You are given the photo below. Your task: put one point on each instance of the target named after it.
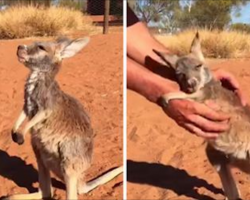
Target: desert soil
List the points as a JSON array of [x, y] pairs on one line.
[[167, 162], [94, 76]]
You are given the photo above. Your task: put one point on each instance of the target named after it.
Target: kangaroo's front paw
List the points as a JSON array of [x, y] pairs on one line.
[[4, 198], [17, 137]]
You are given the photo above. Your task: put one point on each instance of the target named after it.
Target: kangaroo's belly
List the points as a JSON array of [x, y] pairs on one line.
[[47, 151], [235, 142], [60, 152]]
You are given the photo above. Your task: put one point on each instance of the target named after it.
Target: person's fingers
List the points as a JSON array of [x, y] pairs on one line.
[[193, 129], [229, 77], [207, 125], [212, 104], [223, 75], [209, 113]]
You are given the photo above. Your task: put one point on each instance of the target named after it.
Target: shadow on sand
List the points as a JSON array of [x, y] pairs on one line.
[[169, 178]]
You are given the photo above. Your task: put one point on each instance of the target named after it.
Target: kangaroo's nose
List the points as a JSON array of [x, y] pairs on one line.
[[192, 82]]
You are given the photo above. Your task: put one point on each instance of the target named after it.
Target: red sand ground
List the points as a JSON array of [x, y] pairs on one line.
[[94, 77], [165, 161]]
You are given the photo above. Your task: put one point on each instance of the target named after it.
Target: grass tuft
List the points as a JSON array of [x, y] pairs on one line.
[[215, 44], [29, 21]]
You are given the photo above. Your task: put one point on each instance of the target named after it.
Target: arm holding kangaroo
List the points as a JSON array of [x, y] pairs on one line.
[[218, 75], [192, 77], [197, 118]]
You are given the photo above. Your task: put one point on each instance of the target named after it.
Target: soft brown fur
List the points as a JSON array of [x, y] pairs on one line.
[[61, 132], [231, 147]]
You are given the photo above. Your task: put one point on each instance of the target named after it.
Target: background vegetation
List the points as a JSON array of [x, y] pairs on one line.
[[175, 22], [26, 21], [215, 43], [183, 14]]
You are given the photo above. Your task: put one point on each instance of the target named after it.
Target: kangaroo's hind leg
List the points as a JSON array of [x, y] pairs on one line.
[[43, 191], [71, 182], [91, 185], [32, 196], [221, 163], [45, 186], [44, 181]]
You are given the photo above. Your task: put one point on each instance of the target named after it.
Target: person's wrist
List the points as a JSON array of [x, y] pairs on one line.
[[163, 86]]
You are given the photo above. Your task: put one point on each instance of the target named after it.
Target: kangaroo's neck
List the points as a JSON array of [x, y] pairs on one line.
[[206, 76], [39, 78], [38, 88]]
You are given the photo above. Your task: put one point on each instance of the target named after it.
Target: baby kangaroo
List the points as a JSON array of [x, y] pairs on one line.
[[231, 148], [61, 132]]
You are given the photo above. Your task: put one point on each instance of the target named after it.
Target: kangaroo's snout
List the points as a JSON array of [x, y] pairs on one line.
[[193, 82], [192, 85], [22, 47], [22, 53]]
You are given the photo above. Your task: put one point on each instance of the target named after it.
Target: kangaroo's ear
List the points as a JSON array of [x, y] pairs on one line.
[[71, 48], [196, 48], [167, 58]]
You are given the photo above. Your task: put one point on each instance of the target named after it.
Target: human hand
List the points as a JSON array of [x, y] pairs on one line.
[[197, 118], [229, 81]]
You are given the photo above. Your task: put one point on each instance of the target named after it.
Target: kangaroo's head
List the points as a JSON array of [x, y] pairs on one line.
[[47, 56], [191, 71]]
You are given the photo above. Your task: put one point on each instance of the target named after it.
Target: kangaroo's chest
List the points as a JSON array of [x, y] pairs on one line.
[[46, 145], [30, 95], [36, 96]]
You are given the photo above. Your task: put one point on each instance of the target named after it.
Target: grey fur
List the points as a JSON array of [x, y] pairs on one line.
[[61, 132], [231, 147]]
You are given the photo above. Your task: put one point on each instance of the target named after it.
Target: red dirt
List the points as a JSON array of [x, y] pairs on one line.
[[167, 162], [94, 76]]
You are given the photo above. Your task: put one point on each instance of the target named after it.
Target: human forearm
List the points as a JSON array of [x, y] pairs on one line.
[[146, 83], [140, 43]]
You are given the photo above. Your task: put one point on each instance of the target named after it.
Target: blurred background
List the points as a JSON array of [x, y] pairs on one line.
[[93, 7], [26, 18], [169, 18]]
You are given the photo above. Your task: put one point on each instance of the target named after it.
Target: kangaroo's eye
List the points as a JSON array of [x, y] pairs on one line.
[[41, 47]]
